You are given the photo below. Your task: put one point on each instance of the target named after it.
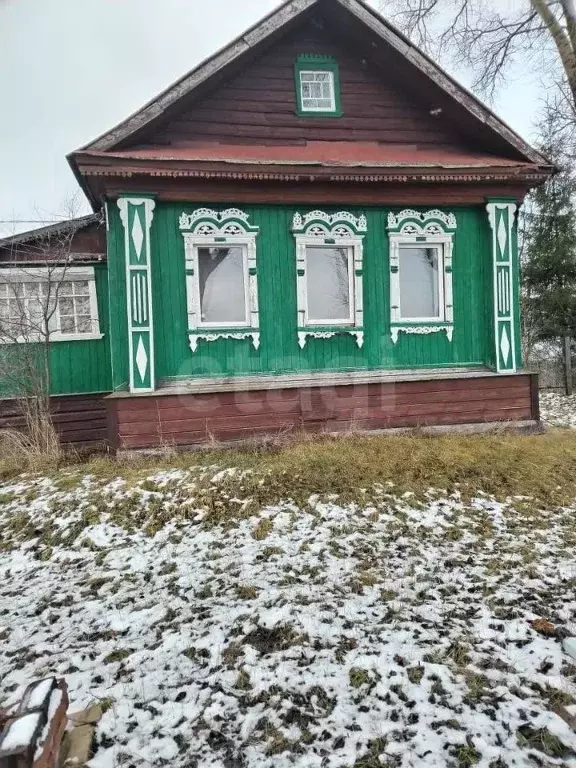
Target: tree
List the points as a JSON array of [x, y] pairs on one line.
[[32, 285], [549, 247], [490, 35]]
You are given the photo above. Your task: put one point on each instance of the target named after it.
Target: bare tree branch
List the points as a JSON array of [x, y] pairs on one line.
[[489, 37]]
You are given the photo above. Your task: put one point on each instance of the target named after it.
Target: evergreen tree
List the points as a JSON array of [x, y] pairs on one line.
[[549, 248]]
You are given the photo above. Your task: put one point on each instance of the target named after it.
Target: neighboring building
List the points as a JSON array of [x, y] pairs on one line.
[[314, 228]]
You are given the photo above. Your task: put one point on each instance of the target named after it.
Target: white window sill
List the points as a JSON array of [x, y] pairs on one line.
[[55, 337]]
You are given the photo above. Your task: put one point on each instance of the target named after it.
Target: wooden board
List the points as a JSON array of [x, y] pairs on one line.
[[142, 422]]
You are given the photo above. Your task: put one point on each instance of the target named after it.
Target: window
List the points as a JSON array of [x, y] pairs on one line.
[[317, 86], [221, 275], [329, 285], [222, 283], [317, 91], [420, 287], [421, 246], [35, 301], [329, 274]]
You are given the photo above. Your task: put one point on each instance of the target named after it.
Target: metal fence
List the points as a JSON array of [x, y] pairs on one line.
[[551, 374]]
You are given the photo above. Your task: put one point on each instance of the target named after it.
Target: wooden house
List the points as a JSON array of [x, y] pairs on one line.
[[315, 229]]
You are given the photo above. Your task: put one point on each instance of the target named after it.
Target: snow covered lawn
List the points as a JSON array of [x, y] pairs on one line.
[[217, 633], [558, 410]]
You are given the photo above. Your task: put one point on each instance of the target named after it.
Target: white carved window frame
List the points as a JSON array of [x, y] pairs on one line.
[[337, 230], [206, 228], [429, 229], [56, 276]]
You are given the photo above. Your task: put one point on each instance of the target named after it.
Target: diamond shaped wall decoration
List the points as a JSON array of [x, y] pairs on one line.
[[141, 359], [502, 236], [505, 346], [137, 234]]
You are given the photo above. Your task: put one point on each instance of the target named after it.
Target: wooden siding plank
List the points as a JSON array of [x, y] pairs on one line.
[[263, 94], [182, 422]]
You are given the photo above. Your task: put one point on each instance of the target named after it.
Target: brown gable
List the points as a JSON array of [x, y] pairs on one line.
[[258, 105]]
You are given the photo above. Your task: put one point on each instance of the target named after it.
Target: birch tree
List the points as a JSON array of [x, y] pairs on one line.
[[489, 36]]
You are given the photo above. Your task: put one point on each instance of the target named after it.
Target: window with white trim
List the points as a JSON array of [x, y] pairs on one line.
[[221, 275], [36, 302], [421, 247], [329, 254]]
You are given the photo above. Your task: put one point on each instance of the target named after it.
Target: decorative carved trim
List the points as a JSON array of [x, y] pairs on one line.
[[136, 214], [303, 335], [436, 228], [421, 329], [320, 224], [343, 230], [254, 335], [206, 221], [206, 227], [410, 222], [501, 218]]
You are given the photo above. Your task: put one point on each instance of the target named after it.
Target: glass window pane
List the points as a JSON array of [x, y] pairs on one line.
[[419, 284], [327, 284], [81, 288], [222, 287], [67, 325], [66, 306], [84, 324], [82, 306], [65, 289]]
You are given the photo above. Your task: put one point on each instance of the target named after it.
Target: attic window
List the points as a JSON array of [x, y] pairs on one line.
[[317, 86]]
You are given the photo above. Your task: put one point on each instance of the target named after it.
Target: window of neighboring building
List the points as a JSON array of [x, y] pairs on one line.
[[61, 302], [317, 86]]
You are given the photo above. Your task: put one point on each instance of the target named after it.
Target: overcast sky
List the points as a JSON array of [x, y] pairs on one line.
[[71, 69]]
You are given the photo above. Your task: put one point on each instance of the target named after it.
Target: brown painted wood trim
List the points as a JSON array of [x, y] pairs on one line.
[[80, 420], [112, 425], [535, 396], [188, 419]]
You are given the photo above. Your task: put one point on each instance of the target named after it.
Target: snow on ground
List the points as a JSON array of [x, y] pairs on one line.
[[558, 410], [391, 633]]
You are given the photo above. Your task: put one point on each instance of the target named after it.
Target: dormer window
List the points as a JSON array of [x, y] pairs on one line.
[[317, 86]]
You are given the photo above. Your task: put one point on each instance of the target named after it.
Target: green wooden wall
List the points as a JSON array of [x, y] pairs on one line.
[[279, 351], [84, 366], [81, 367]]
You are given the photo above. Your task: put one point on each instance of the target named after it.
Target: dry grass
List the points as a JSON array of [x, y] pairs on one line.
[[22, 451], [540, 466]]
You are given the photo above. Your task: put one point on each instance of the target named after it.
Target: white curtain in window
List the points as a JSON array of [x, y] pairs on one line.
[[328, 283], [419, 283], [222, 285]]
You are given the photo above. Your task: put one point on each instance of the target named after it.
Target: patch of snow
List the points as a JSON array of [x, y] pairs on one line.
[[397, 631], [558, 410], [20, 732]]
